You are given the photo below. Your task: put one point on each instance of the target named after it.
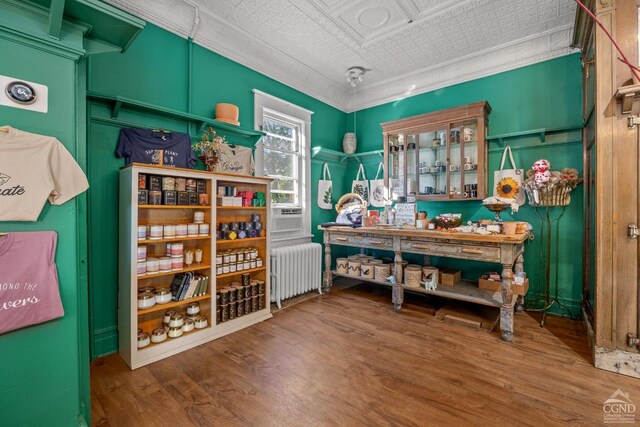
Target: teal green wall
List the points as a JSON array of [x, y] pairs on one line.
[[44, 369], [156, 70], [544, 95]]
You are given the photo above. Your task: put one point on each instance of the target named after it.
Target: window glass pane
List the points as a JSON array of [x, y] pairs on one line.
[[280, 164], [278, 128], [271, 141], [284, 185], [284, 198]]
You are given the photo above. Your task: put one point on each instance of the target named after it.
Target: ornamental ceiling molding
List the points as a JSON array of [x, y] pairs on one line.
[[224, 33]]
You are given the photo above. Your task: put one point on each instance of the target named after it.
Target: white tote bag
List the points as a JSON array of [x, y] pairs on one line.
[[508, 182], [361, 185], [325, 189], [376, 186]]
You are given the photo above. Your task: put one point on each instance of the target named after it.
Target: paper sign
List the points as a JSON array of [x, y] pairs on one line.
[[406, 214]]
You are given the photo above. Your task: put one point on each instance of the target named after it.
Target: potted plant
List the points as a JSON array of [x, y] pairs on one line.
[[212, 148]]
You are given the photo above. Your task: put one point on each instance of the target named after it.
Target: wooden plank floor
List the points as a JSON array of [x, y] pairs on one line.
[[347, 359]]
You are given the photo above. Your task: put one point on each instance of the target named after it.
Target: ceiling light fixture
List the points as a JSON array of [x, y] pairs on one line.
[[355, 75]]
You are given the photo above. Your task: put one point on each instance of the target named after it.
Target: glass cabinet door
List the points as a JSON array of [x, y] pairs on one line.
[[432, 163], [396, 165], [467, 158]]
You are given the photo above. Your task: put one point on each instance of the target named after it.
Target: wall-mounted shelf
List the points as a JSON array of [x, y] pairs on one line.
[[628, 95], [542, 133], [118, 103], [327, 155]]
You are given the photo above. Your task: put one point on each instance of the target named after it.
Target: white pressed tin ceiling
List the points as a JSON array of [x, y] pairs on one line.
[[411, 46]]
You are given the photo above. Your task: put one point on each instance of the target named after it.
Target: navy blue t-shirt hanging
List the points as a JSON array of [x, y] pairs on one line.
[[162, 148]]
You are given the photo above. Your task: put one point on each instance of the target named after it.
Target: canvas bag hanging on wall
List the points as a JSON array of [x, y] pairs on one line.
[[360, 185], [376, 187], [325, 189], [508, 182]]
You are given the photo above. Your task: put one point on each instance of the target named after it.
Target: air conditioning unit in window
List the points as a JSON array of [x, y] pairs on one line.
[[286, 220]]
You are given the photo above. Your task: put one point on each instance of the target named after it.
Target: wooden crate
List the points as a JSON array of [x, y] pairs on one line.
[[449, 277], [494, 285]]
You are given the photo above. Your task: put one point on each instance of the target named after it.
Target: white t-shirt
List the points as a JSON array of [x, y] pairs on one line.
[[34, 168]]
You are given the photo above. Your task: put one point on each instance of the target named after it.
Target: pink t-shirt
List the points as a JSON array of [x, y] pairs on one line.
[[29, 291]]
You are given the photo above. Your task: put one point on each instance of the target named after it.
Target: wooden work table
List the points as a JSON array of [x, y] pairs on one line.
[[505, 250]]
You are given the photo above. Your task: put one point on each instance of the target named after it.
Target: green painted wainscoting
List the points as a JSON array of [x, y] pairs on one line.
[[544, 95], [160, 68]]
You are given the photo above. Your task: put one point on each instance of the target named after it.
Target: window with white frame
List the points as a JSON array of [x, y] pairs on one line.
[[284, 155]]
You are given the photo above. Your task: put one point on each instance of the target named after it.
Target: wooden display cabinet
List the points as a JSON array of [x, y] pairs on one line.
[[438, 156], [132, 214]]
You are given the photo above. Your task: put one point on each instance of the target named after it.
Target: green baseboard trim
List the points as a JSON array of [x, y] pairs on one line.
[[105, 342]]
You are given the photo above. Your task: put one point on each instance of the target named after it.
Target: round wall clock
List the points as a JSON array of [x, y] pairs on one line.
[[20, 92]]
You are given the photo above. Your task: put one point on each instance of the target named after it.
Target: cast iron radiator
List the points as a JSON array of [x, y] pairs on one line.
[[295, 270]]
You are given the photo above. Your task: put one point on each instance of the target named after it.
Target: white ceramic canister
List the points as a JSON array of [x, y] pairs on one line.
[[153, 265], [142, 268], [367, 270], [163, 295], [143, 340], [176, 320], [165, 263], [142, 253], [158, 335], [189, 325], [342, 265], [177, 262], [382, 271], [177, 249], [175, 331], [193, 308], [201, 322], [354, 267], [169, 231], [181, 230], [146, 300], [198, 217], [376, 261], [156, 232], [193, 230], [204, 229], [142, 232]]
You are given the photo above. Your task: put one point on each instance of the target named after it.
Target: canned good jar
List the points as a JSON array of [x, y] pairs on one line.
[[142, 268], [232, 268], [155, 232], [176, 248], [233, 257], [218, 315], [219, 270], [261, 287], [193, 230], [240, 308], [201, 322], [189, 325], [153, 265], [224, 312], [143, 340], [219, 259], [239, 266], [233, 310], [177, 262], [255, 303], [176, 320], [175, 331], [181, 230], [169, 231], [254, 289], [142, 253], [232, 295], [253, 264], [142, 232], [158, 335], [167, 316], [163, 296], [198, 217], [258, 262], [224, 297], [165, 263], [225, 268], [193, 308], [254, 253], [261, 300], [146, 300]]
